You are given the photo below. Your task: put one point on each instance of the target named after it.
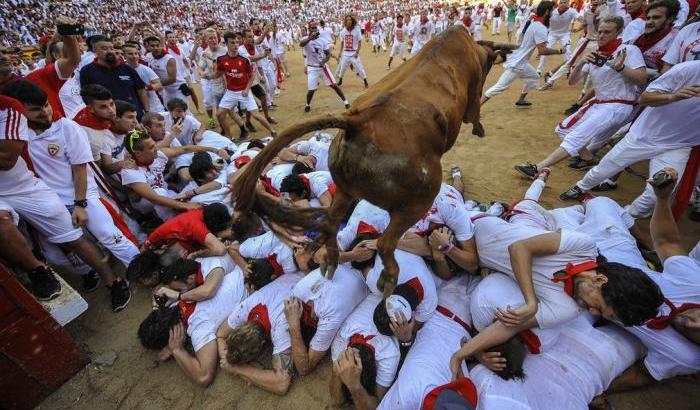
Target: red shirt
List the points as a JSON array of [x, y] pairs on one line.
[[48, 79], [187, 228], [237, 71]]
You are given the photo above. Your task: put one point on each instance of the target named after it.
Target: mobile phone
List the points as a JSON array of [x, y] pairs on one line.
[[599, 60], [661, 179]]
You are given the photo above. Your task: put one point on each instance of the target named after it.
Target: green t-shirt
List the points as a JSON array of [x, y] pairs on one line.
[[511, 14]]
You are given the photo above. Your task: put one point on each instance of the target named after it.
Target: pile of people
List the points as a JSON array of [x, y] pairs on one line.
[[102, 159]]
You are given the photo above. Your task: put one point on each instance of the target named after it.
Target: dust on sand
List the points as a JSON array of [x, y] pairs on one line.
[[513, 136]]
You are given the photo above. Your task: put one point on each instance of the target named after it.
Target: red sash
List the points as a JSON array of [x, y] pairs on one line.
[[448, 313], [580, 113], [662, 322]]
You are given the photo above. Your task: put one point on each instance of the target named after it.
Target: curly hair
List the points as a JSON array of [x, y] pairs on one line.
[[633, 296], [368, 377], [154, 331], [261, 273], [245, 343], [295, 186], [381, 316], [145, 267]]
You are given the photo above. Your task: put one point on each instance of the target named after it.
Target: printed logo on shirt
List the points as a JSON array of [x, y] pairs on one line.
[[125, 77], [54, 149]]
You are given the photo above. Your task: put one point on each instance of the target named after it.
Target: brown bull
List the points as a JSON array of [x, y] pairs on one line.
[[389, 146]]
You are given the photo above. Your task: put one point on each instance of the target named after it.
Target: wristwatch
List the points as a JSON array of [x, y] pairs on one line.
[[81, 203]]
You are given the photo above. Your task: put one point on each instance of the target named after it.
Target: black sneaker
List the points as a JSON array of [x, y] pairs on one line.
[[583, 165], [91, 281], [45, 286], [250, 127], [527, 169], [572, 194], [340, 82], [574, 107], [271, 120], [574, 159], [243, 136], [547, 76], [121, 295], [523, 104], [606, 185], [347, 105], [366, 84], [307, 108]]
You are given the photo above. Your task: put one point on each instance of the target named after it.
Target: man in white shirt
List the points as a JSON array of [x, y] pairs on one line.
[[398, 46], [534, 36], [148, 76], [560, 23], [351, 43], [421, 33], [317, 52], [685, 47], [257, 321], [664, 132], [165, 66], [616, 71], [212, 88], [312, 152], [316, 188]]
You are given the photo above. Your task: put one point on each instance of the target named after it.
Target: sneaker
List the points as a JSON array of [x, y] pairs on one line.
[[574, 159], [574, 107], [546, 86], [277, 91], [572, 194], [91, 281], [250, 127], [340, 82], [307, 108], [523, 104], [211, 123], [547, 76], [347, 105], [121, 295], [527, 169], [539, 73], [583, 165], [366, 84], [271, 120], [45, 286], [456, 171], [607, 185]]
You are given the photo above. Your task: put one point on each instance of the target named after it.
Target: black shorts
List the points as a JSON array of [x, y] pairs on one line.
[[258, 91]]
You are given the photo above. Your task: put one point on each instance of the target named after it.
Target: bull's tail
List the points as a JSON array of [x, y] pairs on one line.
[[247, 198]]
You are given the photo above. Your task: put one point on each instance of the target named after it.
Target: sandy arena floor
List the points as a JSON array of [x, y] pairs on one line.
[[137, 381]]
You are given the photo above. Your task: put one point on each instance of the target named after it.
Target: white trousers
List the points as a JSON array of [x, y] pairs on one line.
[[596, 126], [496, 28], [345, 62], [527, 73]]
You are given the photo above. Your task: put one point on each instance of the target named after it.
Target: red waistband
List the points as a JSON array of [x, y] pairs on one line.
[[448, 313]]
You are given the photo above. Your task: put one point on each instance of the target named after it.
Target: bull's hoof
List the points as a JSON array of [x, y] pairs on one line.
[[386, 284], [478, 130]]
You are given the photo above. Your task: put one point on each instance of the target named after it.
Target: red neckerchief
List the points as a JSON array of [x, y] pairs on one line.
[[86, 118], [331, 189], [467, 21], [306, 182], [275, 264], [423, 20], [571, 271], [363, 227], [609, 48], [307, 316], [562, 10], [642, 15], [359, 340], [538, 18], [418, 287], [531, 341], [645, 42], [267, 184], [257, 32], [462, 386], [251, 49], [240, 161], [187, 307], [259, 315], [662, 322], [172, 47]]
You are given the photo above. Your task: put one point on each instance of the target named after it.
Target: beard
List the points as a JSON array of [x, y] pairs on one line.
[[111, 59]]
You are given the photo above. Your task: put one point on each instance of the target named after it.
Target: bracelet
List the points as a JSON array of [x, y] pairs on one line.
[[406, 344], [83, 203], [194, 191], [621, 69], [179, 296]]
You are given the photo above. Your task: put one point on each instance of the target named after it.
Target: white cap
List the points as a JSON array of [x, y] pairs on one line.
[[396, 304]]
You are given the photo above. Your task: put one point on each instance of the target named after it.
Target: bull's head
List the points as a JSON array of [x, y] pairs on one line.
[[495, 50]]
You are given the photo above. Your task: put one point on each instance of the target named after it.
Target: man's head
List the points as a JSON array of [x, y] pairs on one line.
[[367, 263], [104, 50], [308, 257], [660, 15], [295, 186], [261, 273], [218, 220], [544, 10], [171, 38], [609, 29], [141, 146], [211, 38], [246, 225], [35, 101], [349, 22], [202, 168], [154, 331], [177, 108], [403, 294], [154, 124], [145, 268], [513, 351], [181, 275], [5, 65], [132, 54], [233, 41], [153, 45], [634, 7], [301, 168], [399, 20], [618, 293], [247, 37], [245, 343], [99, 101], [126, 116], [368, 377]]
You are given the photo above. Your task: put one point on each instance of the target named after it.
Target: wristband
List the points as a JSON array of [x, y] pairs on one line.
[[406, 344], [81, 203], [621, 69]]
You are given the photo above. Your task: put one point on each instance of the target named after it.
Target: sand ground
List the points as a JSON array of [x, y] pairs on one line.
[[137, 381]]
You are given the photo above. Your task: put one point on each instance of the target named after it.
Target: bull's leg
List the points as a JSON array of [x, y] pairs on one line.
[[398, 225], [339, 208]]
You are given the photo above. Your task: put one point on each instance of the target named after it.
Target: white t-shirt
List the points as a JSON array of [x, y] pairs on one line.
[[208, 314], [326, 33], [422, 32], [611, 85], [317, 149], [427, 364], [633, 30], [268, 245], [673, 125], [410, 267], [190, 126], [494, 236], [315, 51], [386, 348], [319, 182], [686, 45], [55, 150], [332, 300], [365, 213], [536, 34], [272, 296], [560, 23], [351, 40], [448, 209], [147, 75], [160, 66], [13, 126], [278, 173], [151, 175], [399, 34], [669, 352]]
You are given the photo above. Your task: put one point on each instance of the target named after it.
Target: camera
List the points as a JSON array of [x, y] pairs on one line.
[[70, 29], [599, 60], [161, 300], [661, 179]]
